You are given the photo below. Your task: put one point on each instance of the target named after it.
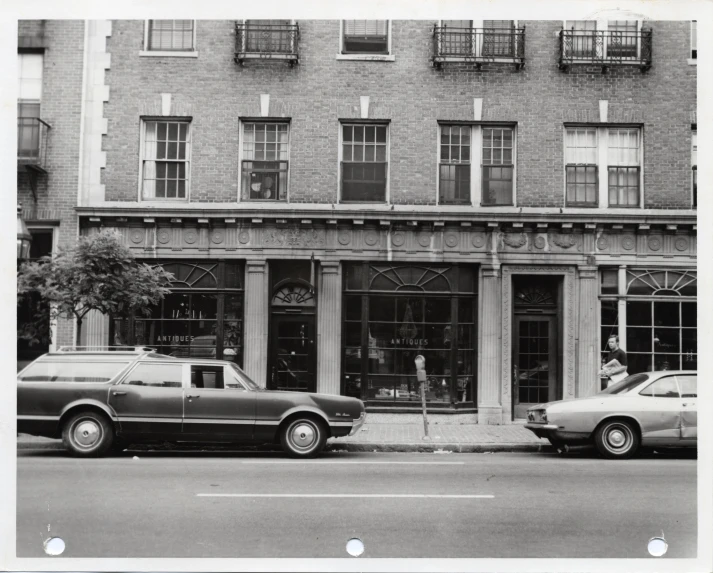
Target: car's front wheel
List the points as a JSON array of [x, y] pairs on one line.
[[303, 437], [87, 434], [617, 439]]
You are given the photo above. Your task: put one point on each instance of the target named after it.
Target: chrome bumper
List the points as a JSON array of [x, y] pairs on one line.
[[358, 423], [530, 426]]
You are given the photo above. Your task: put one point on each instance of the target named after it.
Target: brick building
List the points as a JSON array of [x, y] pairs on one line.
[[336, 197]]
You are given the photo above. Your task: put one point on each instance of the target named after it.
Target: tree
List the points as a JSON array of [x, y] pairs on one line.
[[98, 274]]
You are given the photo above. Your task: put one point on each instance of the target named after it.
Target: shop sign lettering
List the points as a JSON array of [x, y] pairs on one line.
[[409, 341], [168, 338]]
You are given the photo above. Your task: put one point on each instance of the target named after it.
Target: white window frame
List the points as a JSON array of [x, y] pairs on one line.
[[142, 147], [478, 25], [168, 53], [390, 57], [476, 160], [244, 42], [694, 162], [694, 44], [603, 26], [241, 139], [603, 164], [340, 156]]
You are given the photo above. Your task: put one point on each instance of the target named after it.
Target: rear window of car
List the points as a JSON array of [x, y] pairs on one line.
[[82, 372]]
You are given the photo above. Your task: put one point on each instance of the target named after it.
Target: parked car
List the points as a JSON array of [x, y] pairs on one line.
[[96, 400], [646, 409]]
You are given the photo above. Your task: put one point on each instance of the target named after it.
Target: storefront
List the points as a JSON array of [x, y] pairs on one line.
[[201, 317], [394, 312]]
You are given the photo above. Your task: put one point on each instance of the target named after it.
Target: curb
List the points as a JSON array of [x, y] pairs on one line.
[[335, 447]]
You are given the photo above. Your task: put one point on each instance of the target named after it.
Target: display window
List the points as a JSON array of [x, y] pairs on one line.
[[393, 313]]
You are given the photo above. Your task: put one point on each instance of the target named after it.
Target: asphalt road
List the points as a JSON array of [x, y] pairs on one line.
[[399, 505]]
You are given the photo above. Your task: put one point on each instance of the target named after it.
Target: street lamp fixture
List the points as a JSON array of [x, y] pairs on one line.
[[24, 238]]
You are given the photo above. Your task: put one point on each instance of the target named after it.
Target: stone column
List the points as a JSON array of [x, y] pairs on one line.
[[588, 356], [329, 328], [490, 410], [257, 311]]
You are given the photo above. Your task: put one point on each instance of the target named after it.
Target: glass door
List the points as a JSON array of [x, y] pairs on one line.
[[535, 362], [292, 353]]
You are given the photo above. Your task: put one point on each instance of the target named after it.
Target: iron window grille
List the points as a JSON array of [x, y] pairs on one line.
[[166, 165], [622, 43], [265, 161], [497, 41], [364, 162], [455, 165], [171, 35], [497, 166], [267, 39], [365, 37]]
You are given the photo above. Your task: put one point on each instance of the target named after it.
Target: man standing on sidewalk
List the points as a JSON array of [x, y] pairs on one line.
[[616, 362]]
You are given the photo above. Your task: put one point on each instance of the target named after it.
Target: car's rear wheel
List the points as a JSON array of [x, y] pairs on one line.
[[617, 439], [303, 437], [87, 434]]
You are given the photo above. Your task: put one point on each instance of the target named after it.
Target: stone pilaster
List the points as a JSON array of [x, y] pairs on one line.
[[490, 410], [588, 356], [257, 311], [329, 328]]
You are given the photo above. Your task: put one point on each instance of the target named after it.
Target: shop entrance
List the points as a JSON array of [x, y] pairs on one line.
[[292, 365], [536, 345]]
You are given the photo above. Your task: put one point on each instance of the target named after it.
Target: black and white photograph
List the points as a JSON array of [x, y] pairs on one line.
[[300, 288]]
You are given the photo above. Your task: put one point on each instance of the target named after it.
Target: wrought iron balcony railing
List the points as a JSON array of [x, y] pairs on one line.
[[266, 41], [605, 48], [479, 45], [32, 133]]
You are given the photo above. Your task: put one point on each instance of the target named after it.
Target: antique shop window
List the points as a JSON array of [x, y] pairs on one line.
[[202, 316], [393, 313], [265, 160], [364, 162], [166, 160], [660, 322], [594, 156], [490, 182], [171, 35]]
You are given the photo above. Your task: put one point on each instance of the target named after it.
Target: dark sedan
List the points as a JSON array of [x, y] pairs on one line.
[[97, 401]]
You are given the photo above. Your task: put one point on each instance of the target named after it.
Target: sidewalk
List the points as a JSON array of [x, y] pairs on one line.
[[400, 437]]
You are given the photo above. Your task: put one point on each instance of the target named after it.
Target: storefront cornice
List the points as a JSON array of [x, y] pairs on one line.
[[406, 215]]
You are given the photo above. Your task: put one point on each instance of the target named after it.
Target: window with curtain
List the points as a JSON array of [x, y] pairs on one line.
[[454, 168], [497, 166], [166, 159], [498, 38], [171, 35], [622, 38], [365, 37], [458, 37], [623, 160], [265, 161], [581, 166], [582, 35]]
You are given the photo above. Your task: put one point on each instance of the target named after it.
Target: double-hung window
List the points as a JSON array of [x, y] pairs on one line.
[[365, 37], [29, 68], [364, 162], [264, 162], [603, 166], [694, 40], [171, 36], [166, 159], [476, 165]]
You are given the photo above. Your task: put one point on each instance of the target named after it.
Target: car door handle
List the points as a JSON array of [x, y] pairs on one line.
[[119, 393], [189, 396]]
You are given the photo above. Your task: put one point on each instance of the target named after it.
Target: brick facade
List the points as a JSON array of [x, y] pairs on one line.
[[410, 93]]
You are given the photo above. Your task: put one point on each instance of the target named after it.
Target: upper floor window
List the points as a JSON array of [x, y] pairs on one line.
[[488, 182], [171, 35], [694, 40], [365, 37], [29, 95], [264, 162], [166, 159], [694, 165], [603, 166], [364, 162]]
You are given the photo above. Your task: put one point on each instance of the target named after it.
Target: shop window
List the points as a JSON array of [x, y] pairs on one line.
[[171, 35], [403, 311], [166, 160], [364, 162], [265, 161]]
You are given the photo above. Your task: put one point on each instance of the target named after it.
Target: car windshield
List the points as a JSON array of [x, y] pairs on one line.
[[244, 378], [626, 384]]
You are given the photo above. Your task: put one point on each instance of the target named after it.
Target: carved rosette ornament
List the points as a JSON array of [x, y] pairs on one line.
[[371, 238], [628, 242], [398, 239], [681, 244], [137, 236], [451, 240], [602, 243], [514, 240], [654, 243], [190, 236], [478, 240], [163, 236], [424, 239], [217, 237], [244, 237], [344, 237], [540, 242], [564, 241]]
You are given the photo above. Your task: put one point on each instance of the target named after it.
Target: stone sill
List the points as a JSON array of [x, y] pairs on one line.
[[367, 57], [157, 54], [692, 62]]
